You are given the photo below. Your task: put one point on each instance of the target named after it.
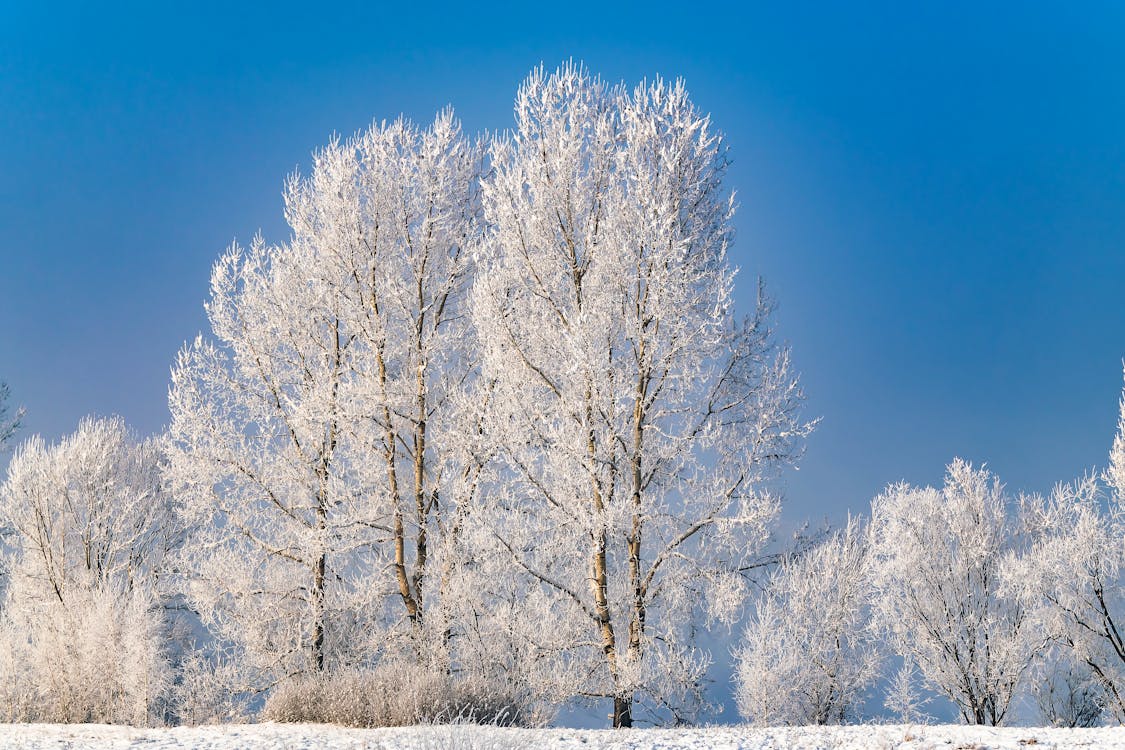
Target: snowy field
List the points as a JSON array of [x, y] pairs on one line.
[[304, 736]]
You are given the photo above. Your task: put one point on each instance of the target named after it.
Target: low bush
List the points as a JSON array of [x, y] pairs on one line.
[[393, 695], [98, 659], [207, 691]]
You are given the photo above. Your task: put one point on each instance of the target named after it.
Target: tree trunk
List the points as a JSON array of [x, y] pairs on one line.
[[599, 576], [420, 509], [637, 622], [399, 533], [622, 711], [318, 603], [321, 565]]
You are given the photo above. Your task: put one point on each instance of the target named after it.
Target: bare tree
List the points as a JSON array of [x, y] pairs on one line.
[[10, 422]]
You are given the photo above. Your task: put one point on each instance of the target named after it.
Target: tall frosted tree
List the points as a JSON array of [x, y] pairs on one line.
[[635, 415], [316, 440], [939, 576], [396, 245], [257, 460]]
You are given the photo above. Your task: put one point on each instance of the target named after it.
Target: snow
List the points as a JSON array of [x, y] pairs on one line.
[[306, 736]]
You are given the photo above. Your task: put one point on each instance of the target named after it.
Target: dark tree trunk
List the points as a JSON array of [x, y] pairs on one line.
[[622, 712]]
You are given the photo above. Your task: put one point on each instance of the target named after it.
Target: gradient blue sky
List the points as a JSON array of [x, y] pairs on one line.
[[935, 193]]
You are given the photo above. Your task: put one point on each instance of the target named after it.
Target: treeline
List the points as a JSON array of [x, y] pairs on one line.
[[986, 600], [484, 437]]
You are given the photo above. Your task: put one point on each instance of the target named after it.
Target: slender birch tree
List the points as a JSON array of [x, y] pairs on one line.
[[635, 416]]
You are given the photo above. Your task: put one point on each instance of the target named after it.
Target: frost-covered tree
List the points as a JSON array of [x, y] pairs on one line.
[[391, 218], [323, 440], [9, 421], [939, 557], [89, 511], [904, 698], [1075, 571], [1066, 691], [636, 417], [810, 649], [91, 529], [256, 461]]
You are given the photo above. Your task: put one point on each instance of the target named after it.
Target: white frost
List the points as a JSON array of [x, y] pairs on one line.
[[298, 736]]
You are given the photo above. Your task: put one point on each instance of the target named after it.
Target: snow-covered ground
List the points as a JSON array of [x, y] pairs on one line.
[[304, 736]]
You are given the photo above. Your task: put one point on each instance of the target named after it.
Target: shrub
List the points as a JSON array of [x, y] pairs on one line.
[[207, 691], [1067, 694], [97, 659], [393, 695]]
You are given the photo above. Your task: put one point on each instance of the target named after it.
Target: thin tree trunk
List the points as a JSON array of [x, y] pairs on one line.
[[318, 604], [398, 531], [421, 513], [409, 601], [598, 564], [623, 705], [622, 711], [321, 565], [637, 622]]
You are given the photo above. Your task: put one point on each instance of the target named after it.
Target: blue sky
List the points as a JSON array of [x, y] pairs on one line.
[[935, 193]]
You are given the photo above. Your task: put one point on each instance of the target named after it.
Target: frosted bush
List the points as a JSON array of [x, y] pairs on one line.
[[206, 691], [392, 695], [82, 635], [95, 660]]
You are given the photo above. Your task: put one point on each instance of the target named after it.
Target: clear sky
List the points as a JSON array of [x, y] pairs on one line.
[[935, 193]]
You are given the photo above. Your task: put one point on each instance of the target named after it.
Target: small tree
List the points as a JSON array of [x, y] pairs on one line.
[[810, 650], [1074, 572], [904, 699], [82, 635], [10, 422], [939, 555]]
